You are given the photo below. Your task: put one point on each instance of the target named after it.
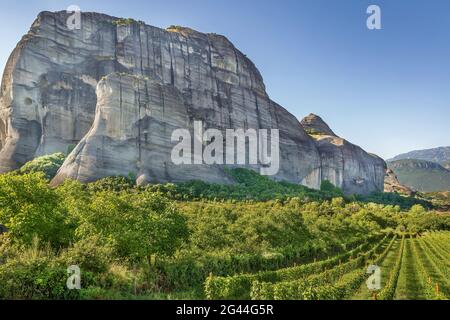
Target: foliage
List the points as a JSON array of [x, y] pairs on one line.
[[136, 225], [336, 283], [165, 240], [424, 277], [251, 186], [29, 208], [440, 200], [36, 272], [238, 286], [387, 293], [48, 164], [328, 187], [393, 199], [112, 184], [124, 22]]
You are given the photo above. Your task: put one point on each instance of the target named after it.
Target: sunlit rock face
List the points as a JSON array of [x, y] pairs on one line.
[[391, 184], [342, 163], [131, 134], [114, 90]]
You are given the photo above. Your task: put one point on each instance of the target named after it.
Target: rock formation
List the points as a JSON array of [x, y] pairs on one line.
[[342, 163], [116, 89], [391, 184]]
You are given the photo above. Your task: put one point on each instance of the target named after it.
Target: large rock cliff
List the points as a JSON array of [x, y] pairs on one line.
[[114, 90], [342, 163]]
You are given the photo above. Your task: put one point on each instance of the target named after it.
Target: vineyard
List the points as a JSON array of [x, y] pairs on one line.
[[412, 267], [259, 239]]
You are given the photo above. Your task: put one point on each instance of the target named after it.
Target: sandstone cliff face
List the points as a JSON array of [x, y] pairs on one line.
[[342, 163], [116, 90], [131, 133]]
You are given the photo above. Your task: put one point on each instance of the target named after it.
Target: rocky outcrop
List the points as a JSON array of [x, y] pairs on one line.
[[342, 163], [116, 89], [391, 184]]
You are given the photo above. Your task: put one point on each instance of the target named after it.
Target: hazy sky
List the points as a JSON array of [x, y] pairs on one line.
[[386, 90]]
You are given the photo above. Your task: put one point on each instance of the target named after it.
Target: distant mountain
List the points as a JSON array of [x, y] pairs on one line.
[[421, 175], [439, 155]]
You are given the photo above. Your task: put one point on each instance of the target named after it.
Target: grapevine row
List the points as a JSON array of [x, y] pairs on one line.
[[239, 286], [427, 283], [436, 250], [345, 277], [432, 259], [387, 293]]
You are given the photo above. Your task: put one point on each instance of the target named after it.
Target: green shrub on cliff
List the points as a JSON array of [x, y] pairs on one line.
[[124, 21]]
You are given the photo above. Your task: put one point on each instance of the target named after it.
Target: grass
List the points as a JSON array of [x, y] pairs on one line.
[[386, 266], [409, 286]]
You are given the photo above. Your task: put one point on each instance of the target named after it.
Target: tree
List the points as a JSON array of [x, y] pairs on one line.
[[328, 187], [29, 208], [48, 164], [136, 224]]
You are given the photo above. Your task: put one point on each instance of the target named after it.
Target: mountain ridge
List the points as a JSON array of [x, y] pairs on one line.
[[439, 155], [421, 175]]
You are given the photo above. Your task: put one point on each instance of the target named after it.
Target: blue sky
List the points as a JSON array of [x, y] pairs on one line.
[[386, 90]]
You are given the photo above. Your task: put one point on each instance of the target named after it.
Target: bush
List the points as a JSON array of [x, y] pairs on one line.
[[48, 164], [29, 208], [136, 225], [124, 22], [112, 184], [90, 254], [34, 273], [329, 188]]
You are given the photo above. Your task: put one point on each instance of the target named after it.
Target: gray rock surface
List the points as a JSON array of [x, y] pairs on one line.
[[116, 89], [391, 184], [342, 163]]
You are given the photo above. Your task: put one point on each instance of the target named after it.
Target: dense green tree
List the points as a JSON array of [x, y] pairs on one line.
[[136, 225], [48, 164], [29, 208]]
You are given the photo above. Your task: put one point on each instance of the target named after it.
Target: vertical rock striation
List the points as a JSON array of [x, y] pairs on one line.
[[116, 89]]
